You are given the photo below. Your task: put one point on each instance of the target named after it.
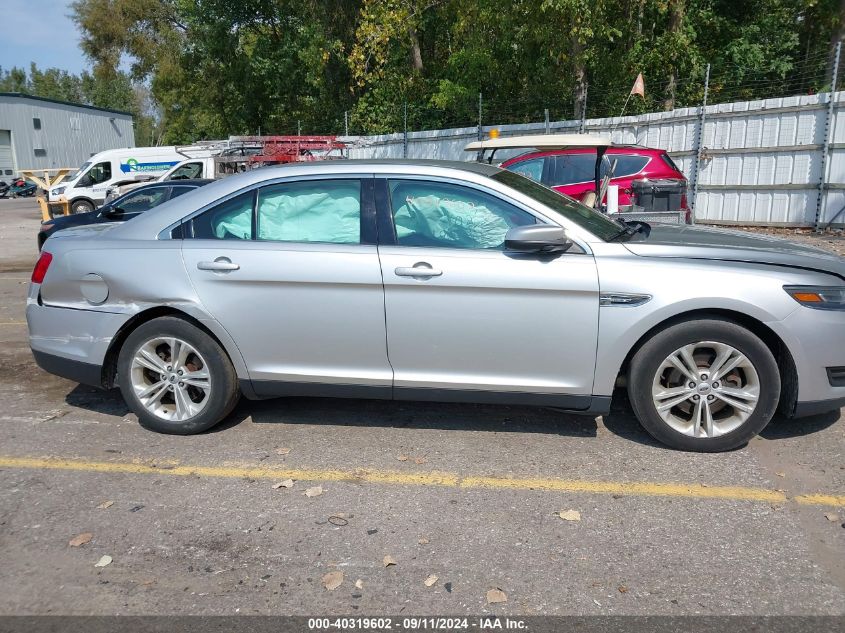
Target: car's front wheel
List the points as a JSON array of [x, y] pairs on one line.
[[176, 378], [704, 385], [81, 206]]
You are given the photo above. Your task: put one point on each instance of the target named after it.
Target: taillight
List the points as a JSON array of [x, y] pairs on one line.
[[41, 267]]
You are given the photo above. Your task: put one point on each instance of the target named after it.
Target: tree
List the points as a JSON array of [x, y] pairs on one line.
[[214, 68]]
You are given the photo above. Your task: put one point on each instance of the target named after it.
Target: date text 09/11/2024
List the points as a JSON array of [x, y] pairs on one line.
[[416, 623]]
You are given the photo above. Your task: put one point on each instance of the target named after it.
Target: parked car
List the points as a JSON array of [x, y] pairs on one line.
[[647, 178], [427, 280], [121, 209]]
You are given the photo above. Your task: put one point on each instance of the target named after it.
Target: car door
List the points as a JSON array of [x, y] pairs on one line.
[[467, 320], [291, 271]]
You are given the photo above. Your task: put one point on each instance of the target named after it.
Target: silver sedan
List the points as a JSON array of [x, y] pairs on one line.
[[439, 281]]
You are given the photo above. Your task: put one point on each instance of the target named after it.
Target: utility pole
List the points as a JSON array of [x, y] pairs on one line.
[[699, 138], [821, 200], [583, 128], [480, 129], [546, 116], [346, 122]]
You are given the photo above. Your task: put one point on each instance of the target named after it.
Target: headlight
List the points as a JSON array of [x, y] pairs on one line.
[[47, 226], [58, 191], [819, 297]]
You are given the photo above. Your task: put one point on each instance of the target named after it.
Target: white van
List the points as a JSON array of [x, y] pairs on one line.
[[200, 167], [86, 188]]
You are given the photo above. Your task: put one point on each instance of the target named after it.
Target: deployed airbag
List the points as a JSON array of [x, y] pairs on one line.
[[452, 221], [322, 212]]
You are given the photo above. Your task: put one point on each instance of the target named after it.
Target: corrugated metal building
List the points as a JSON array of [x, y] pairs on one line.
[[39, 133]]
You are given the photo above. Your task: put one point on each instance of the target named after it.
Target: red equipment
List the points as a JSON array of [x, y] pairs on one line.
[[292, 149]]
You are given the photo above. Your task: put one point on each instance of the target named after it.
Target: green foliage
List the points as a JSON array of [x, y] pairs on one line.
[[216, 67]]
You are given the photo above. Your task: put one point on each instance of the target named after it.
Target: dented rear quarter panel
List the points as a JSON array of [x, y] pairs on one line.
[[140, 276]]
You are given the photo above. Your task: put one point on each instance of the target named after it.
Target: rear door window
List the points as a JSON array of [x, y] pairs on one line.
[[327, 211], [321, 211], [229, 220], [569, 169]]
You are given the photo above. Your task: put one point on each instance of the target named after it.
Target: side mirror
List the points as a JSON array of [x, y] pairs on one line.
[[114, 212], [537, 238]]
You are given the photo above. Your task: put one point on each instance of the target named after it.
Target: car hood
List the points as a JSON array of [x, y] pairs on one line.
[[77, 219], [696, 242]]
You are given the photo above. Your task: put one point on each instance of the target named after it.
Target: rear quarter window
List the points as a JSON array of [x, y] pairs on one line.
[[627, 164]]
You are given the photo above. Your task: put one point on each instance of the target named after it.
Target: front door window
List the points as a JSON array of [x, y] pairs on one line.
[[99, 173], [441, 214]]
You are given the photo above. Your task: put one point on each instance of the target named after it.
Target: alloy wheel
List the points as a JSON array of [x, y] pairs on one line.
[[170, 379], [705, 389]]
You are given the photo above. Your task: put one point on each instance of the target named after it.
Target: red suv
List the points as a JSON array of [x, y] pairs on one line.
[[648, 179]]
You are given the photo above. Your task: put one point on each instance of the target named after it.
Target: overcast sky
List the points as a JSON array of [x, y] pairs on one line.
[[39, 31]]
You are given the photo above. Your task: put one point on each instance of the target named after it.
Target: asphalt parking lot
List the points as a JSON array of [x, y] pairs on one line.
[[469, 494]]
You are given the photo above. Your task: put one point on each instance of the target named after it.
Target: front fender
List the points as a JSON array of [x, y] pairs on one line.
[[680, 288]]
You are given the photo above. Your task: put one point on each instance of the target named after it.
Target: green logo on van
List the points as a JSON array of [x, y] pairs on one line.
[[132, 165]]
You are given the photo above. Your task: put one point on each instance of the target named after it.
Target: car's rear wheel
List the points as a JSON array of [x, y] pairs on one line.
[[704, 385], [175, 377]]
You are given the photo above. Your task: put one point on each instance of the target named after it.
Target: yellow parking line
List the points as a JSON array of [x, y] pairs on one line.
[[12, 322], [636, 489], [433, 478], [820, 500], [235, 472]]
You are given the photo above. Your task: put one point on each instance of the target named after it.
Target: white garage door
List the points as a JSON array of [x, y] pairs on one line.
[[6, 165]]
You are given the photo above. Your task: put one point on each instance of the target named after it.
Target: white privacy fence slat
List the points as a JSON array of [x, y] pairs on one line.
[[761, 160]]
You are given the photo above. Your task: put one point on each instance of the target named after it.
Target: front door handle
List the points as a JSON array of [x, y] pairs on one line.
[[219, 265], [420, 269]]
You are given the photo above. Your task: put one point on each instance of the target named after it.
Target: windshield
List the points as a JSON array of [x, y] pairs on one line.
[[77, 173], [596, 223]]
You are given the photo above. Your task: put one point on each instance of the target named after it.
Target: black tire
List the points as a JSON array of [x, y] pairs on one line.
[[81, 206], [224, 390], [651, 355]]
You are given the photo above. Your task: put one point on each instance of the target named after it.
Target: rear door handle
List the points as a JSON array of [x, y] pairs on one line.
[[219, 265], [420, 269]]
